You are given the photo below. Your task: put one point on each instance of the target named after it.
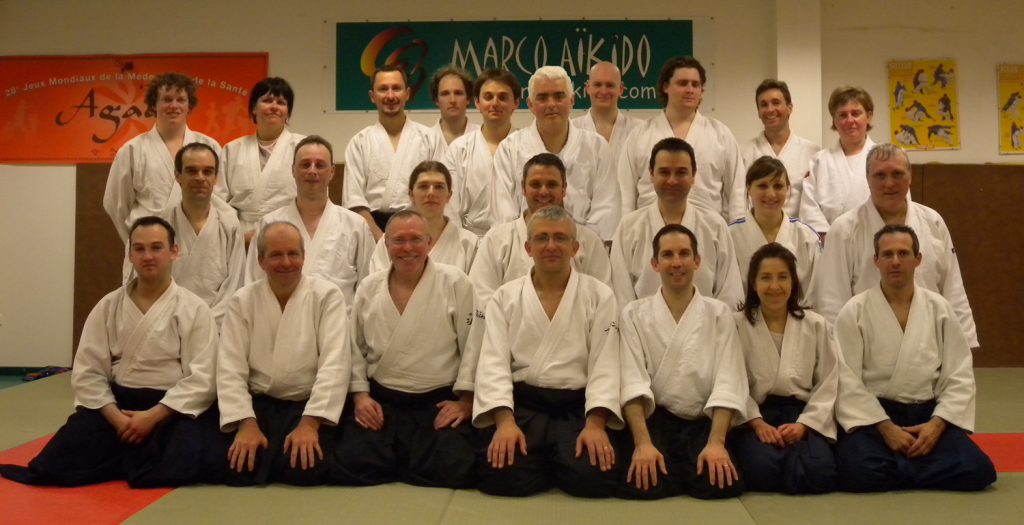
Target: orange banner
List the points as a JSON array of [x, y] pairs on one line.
[[72, 109]]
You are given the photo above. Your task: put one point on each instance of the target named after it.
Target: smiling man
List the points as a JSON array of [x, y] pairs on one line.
[[417, 333], [500, 257], [774, 106], [338, 242], [906, 392], [379, 159], [211, 245], [141, 179], [604, 88], [283, 367], [845, 267], [592, 195], [672, 173], [451, 89]]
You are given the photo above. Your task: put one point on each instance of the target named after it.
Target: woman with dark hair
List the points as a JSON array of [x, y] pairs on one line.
[[430, 190], [258, 168], [766, 221], [793, 370]]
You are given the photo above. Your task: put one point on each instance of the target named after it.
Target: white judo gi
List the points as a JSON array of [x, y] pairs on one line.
[[846, 267], [301, 353], [620, 130], [807, 368], [501, 258], [632, 275], [455, 246], [339, 251], [210, 264], [795, 156], [171, 347], [428, 346], [591, 194], [690, 367], [929, 360], [720, 169], [471, 127], [576, 349], [796, 236], [141, 180], [377, 175], [472, 167], [256, 191], [835, 184]]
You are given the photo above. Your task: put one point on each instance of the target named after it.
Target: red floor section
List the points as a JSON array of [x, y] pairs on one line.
[[1005, 450], [103, 504]]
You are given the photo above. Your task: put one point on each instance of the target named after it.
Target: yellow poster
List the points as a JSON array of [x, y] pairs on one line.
[[1011, 125], [923, 114]]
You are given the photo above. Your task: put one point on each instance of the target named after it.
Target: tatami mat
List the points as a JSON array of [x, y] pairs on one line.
[[1000, 404], [34, 409]]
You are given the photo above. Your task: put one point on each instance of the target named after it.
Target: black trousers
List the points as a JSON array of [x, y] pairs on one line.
[[86, 450], [381, 218], [407, 448], [804, 467], [552, 420], [681, 442], [867, 464], [276, 419]]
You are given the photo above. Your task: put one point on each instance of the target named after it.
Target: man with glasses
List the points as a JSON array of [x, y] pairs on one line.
[[338, 242], [416, 343]]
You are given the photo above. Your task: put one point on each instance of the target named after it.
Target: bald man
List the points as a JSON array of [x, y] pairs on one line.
[[604, 89]]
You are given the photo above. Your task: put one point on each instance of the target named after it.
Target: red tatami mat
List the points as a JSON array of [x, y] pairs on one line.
[[103, 504], [1005, 450]]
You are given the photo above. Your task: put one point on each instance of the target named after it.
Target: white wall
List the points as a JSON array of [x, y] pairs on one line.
[[37, 227], [860, 38]]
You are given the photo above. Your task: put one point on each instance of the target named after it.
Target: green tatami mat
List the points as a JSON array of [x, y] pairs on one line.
[[394, 504], [1000, 405], [34, 409], [470, 507]]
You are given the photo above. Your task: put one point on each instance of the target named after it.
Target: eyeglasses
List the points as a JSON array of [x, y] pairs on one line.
[[415, 241], [560, 239]]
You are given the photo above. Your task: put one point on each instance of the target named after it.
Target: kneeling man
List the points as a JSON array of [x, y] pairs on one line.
[[282, 368], [548, 375], [414, 354], [906, 393], [683, 382], [144, 370]]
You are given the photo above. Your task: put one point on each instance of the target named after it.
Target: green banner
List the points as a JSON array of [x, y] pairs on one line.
[[638, 47]]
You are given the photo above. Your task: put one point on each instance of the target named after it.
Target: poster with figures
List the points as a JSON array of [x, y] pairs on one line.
[[923, 114], [1011, 125]]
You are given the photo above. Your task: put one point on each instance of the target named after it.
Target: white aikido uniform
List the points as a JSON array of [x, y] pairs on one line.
[[501, 258], [135, 361], [591, 195], [846, 267], [806, 368], [254, 190], [210, 264], [620, 130], [141, 180], [299, 354], [471, 127], [633, 277], [720, 169], [339, 251], [908, 375], [795, 156], [834, 185], [576, 349], [796, 236], [377, 175], [472, 167], [455, 246]]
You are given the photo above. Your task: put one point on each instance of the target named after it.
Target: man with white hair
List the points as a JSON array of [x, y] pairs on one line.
[[846, 267], [593, 196], [604, 88]]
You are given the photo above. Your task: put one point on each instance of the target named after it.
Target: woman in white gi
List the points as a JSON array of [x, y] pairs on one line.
[[258, 168], [792, 367], [836, 180], [768, 190], [430, 191]]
